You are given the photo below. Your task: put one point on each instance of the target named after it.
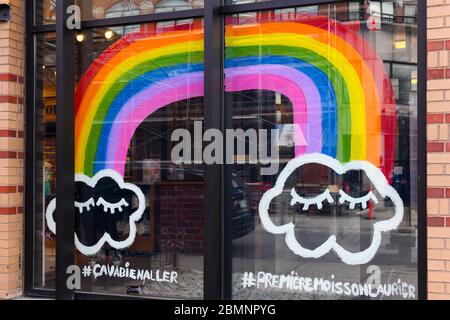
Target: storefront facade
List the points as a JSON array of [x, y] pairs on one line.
[[237, 150]]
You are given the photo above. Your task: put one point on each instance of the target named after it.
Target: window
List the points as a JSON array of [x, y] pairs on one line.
[[151, 210], [316, 150]]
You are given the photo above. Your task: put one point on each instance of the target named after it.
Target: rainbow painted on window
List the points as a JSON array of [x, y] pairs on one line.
[[341, 96]]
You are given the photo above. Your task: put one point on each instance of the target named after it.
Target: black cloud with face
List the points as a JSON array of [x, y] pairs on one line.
[[101, 202], [91, 224]]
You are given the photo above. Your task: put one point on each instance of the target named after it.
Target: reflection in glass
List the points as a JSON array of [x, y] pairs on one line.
[[45, 110], [101, 9], [45, 11]]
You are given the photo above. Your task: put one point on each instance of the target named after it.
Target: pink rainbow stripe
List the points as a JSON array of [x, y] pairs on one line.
[[312, 109]]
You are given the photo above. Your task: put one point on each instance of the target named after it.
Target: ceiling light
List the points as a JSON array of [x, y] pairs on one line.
[[80, 37], [109, 34]]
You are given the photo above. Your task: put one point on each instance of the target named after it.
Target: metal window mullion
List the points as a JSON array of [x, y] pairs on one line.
[[270, 5], [214, 174], [128, 20], [422, 149], [65, 130], [29, 152], [43, 28]]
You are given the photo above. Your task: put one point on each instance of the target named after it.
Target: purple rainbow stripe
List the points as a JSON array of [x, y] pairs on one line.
[[295, 85]]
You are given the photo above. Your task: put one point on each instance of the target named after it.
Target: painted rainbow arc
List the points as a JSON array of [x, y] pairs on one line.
[[341, 95]]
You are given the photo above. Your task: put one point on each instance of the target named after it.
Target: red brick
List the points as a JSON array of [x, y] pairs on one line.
[[8, 189], [436, 221], [435, 118], [8, 210], [434, 74], [447, 195], [8, 77], [435, 192], [8, 99], [447, 44], [20, 79], [20, 155], [447, 146], [435, 146], [8, 133], [447, 222], [447, 118], [8, 155], [20, 189], [435, 45], [20, 134], [447, 73]]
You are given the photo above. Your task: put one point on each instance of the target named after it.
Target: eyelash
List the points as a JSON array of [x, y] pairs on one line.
[[112, 206], [354, 201], [307, 202], [88, 205]]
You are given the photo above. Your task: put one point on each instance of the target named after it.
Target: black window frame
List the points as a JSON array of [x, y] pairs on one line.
[[217, 250]]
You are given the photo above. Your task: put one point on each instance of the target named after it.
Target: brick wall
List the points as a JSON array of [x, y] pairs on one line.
[[180, 218], [11, 151], [438, 149]]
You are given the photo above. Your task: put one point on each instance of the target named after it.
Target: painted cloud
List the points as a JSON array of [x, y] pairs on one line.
[[100, 203], [351, 258]]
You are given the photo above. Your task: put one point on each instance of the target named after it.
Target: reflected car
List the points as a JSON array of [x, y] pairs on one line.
[[243, 220]]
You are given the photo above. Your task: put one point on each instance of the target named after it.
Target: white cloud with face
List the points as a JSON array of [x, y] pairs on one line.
[[106, 238], [376, 177]]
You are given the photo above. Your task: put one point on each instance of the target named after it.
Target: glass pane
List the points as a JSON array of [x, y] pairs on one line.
[[145, 82], [45, 108], [324, 111], [139, 214], [45, 11], [101, 9]]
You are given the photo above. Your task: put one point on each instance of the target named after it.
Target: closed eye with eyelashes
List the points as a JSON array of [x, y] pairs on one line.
[[85, 206], [318, 201], [354, 201], [111, 207]]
